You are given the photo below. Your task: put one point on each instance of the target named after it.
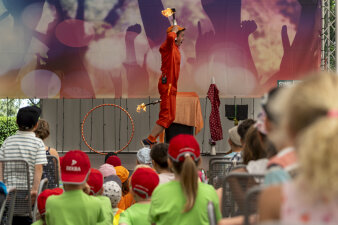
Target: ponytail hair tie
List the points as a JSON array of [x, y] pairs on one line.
[[186, 155], [332, 113]]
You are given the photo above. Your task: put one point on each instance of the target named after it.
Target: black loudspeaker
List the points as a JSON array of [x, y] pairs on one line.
[[240, 112], [176, 129]]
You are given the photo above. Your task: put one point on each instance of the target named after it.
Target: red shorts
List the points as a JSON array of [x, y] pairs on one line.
[[167, 106]]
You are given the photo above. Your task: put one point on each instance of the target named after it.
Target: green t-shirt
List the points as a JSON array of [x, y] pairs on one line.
[[136, 214], [74, 208], [107, 210], [38, 222], [168, 201]]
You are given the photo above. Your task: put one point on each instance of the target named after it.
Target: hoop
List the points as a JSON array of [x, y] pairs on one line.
[[85, 118]]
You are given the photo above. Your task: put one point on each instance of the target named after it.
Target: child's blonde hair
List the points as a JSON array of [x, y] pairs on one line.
[[315, 132]]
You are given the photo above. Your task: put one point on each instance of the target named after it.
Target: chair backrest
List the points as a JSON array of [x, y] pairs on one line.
[[42, 186], [218, 170], [235, 186], [7, 208], [15, 173], [51, 171], [211, 213], [218, 159], [251, 203]]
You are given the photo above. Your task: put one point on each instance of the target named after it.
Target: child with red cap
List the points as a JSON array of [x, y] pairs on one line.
[[74, 207], [42, 203], [184, 200], [143, 183], [114, 161], [95, 182]]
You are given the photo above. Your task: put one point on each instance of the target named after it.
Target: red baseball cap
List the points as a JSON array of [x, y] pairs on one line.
[[95, 181], [75, 167], [114, 160], [181, 146], [42, 199], [144, 181]]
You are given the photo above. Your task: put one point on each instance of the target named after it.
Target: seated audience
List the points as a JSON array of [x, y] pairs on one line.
[[310, 116], [159, 156], [184, 200], [107, 170], [42, 198], [95, 182], [74, 206], [42, 132], [143, 156], [114, 160], [3, 192], [283, 166], [143, 182], [127, 198], [25, 145], [113, 191], [114, 178], [234, 142], [108, 155]]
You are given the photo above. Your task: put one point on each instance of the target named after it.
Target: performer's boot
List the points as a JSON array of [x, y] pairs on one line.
[[149, 142]]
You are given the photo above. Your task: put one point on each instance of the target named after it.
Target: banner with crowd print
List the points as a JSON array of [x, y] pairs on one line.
[[110, 48]]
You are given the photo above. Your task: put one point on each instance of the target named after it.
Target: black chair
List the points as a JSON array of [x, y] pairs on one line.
[[7, 208], [211, 213], [235, 186], [218, 170], [15, 173], [51, 172], [251, 203], [42, 186]]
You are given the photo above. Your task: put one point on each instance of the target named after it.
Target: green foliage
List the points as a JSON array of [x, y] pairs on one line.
[[8, 127], [9, 107]]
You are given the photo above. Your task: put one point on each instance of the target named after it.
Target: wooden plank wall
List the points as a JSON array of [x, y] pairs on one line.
[[109, 129]]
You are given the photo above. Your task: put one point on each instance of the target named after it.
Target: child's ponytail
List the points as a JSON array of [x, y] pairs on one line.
[[189, 182], [184, 153]]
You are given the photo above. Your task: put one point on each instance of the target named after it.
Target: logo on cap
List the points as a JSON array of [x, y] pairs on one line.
[[74, 162], [72, 167]]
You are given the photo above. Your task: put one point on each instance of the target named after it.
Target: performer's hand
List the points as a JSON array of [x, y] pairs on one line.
[[175, 29]]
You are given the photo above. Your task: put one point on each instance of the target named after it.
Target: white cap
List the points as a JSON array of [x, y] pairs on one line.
[[234, 136]]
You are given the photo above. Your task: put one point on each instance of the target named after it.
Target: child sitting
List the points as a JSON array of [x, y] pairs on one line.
[[42, 203], [143, 182], [95, 182], [143, 156], [159, 156], [127, 199], [113, 191], [114, 161], [74, 206], [184, 200]]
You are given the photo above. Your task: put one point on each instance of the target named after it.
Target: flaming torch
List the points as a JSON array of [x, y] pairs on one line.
[[170, 12], [143, 106]]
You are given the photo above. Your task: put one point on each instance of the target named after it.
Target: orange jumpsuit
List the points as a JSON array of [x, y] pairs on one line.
[[171, 60]]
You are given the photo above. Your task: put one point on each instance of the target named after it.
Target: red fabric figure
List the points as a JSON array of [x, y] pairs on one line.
[[214, 118], [171, 60]]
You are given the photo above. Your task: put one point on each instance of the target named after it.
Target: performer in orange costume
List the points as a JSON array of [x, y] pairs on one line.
[[167, 84]]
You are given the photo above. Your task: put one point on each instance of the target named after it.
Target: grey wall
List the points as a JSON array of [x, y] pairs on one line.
[[108, 128]]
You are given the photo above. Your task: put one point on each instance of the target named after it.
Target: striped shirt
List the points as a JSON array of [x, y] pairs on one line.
[[23, 145]]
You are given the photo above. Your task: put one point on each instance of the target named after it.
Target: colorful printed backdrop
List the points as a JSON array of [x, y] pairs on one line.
[[109, 48]]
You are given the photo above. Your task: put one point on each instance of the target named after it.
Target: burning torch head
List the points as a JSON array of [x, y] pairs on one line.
[[168, 12], [141, 107]]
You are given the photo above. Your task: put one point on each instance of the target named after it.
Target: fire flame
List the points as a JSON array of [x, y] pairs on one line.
[[141, 107], [167, 12]]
